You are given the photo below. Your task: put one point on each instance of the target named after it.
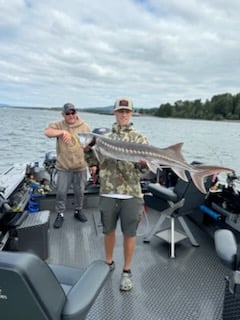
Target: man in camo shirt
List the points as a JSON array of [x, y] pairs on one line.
[[120, 193]]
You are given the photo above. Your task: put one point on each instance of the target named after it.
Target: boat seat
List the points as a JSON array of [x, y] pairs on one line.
[[32, 289], [173, 203], [228, 251]]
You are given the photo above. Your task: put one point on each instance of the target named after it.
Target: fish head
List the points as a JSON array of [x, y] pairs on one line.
[[86, 139]]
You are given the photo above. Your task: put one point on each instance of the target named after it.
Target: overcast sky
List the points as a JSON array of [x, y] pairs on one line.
[[90, 52]]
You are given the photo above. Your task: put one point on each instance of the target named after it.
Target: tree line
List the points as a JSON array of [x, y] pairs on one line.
[[220, 107]]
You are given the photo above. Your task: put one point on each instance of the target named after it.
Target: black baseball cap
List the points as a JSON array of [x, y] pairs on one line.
[[68, 107]]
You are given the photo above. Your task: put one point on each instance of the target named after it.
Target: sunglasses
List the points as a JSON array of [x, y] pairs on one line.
[[70, 112]]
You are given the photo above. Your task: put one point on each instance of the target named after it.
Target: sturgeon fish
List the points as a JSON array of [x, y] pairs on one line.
[[170, 157]]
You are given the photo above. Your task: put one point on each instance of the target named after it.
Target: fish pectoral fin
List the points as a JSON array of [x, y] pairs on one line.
[[98, 155]]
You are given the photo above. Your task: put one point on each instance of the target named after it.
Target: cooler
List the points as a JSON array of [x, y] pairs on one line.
[[32, 234]]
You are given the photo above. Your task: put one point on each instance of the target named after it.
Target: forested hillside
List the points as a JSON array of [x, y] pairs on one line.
[[220, 107]]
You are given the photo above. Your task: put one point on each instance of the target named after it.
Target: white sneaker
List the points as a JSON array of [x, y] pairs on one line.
[[126, 281]]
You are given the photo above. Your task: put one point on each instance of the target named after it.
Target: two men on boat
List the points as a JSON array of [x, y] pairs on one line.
[[120, 189]]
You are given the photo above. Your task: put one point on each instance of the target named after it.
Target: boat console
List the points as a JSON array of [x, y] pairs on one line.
[[223, 202], [23, 227]]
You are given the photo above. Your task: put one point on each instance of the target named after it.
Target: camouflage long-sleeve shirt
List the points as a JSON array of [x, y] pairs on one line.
[[122, 177]]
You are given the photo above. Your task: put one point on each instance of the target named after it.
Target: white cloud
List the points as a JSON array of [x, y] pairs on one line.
[[91, 52]]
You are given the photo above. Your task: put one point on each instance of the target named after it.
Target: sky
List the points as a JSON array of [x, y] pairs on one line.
[[91, 52]]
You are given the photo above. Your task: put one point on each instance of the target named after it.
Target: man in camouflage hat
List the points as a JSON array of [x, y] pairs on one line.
[[120, 193]]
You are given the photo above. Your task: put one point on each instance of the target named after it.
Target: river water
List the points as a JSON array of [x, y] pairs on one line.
[[22, 139]]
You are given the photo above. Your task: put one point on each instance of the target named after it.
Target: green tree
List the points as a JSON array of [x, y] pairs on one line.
[[222, 105], [165, 110]]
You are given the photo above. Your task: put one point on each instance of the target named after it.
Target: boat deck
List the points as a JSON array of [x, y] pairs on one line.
[[189, 287]]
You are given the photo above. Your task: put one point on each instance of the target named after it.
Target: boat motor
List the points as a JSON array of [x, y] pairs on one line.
[[50, 159], [99, 131], [50, 165]]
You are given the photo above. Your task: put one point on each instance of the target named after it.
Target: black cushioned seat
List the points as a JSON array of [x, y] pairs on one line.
[[228, 250], [32, 289], [173, 203], [162, 192]]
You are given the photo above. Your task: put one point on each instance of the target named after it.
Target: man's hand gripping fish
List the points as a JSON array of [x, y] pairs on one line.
[[170, 157]]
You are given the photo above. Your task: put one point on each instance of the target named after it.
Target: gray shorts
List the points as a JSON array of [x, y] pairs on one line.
[[129, 211]]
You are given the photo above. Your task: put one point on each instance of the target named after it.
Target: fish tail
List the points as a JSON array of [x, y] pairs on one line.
[[202, 171]]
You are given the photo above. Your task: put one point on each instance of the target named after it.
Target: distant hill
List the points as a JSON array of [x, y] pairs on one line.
[[103, 110], [106, 110]]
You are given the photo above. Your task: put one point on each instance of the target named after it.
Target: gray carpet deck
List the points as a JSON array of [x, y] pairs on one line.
[[189, 287]]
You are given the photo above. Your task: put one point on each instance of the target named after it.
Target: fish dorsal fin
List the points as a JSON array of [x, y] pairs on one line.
[[177, 148]]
